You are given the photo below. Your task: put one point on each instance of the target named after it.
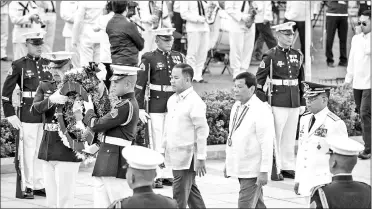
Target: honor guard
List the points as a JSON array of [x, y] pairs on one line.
[[119, 127], [141, 171], [317, 127], [284, 67], [48, 15], [156, 71], [343, 191], [27, 72], [24, 16], [60, 163]]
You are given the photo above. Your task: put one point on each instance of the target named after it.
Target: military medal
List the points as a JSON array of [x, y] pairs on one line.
[[319, 146]]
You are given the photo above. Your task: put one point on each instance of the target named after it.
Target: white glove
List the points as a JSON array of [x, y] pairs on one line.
[[57, 98], [302, 109], [91, 149], [101, 75], [88, 105], [143, 115], [14, 120]]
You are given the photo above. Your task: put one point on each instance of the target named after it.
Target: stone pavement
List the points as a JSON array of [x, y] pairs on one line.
[[217, 191]]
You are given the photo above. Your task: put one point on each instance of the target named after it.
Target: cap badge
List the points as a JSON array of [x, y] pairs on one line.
[[306, 87]]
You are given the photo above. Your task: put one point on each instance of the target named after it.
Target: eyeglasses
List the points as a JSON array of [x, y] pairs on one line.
[[287, 34], [362, 23], [312, 99]]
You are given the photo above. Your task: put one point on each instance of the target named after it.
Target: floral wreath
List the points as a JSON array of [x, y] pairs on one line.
[[77, 84]]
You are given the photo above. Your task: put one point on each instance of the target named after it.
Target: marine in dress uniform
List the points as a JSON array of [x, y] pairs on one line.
[[47, 11], [24, 16], [67, 12], [343, 191], [4, 29], [60, 163], [120, 127], [287, 74], [141, 171], [317, 127], [156, 69], [28, 70]]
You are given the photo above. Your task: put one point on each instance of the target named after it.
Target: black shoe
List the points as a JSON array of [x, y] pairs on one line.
[[194, 81], [289, 174], [342, 64], [202, 81], [364, 156], [167, 182], [29, 193], [157, 184], [40, 192], [331, 64], [278, 177]]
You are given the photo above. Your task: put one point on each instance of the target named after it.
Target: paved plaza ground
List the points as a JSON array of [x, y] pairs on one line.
[[217, 191]]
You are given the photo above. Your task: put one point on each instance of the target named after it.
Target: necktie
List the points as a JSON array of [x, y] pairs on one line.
[[312, 121]]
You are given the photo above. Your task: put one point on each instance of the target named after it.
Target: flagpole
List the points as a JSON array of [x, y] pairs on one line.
[[308, 38]]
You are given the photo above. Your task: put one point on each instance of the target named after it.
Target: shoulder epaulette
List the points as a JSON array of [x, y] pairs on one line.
[[333, 116], [306, 113], [121, 103], [18, 60], [314, 189]]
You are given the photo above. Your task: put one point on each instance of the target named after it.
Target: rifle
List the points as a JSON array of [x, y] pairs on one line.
[[18, 160], [275, 168], [148, 130]]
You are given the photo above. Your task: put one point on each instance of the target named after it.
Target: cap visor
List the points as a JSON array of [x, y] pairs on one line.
[[116, 77]]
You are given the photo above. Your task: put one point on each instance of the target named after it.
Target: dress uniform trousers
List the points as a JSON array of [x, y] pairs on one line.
[[4, 31], [32, 135], [60, 183], [88, 52], [109, 189], [157, 127], [197, 51], [50, 19], [241, 48], [285, 120]]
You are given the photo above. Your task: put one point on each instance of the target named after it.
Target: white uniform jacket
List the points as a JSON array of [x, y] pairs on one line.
[[234, 9], [19, 13], [68, 9], [312, 167], [186, 130], [146, 15], [264, 11], [251, 150], [189, 11]]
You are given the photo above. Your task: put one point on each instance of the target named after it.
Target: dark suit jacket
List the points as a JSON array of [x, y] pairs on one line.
[[144, 197], [343, 192]]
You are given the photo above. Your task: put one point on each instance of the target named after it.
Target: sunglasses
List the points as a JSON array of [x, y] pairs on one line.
[[287, 34], [362, 23]]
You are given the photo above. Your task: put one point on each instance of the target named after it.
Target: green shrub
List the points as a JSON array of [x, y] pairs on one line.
[[219, 104], [7, 139], [342, 104]]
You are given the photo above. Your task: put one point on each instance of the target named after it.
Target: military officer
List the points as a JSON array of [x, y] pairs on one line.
[[120, 127], [317, 127], [47, 12], [60, 163], [24, 16], [287, 74], [141, 171], [156, 69], [343, 191], [27, 72]]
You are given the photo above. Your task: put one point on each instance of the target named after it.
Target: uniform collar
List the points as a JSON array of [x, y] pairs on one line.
[[283, 49], [366, 36], [163, 52], [127, 95], [342, 177], [33, 58], [143, 189]]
